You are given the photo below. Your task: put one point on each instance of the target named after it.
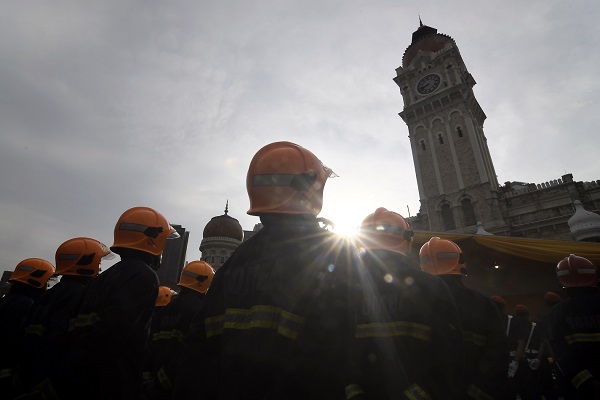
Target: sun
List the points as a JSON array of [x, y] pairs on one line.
[[344, 223]]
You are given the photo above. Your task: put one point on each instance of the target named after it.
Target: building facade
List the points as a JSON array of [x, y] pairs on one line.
[[455, 174], [173, 258]]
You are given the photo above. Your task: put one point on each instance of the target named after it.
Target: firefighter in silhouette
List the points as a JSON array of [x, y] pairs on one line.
[[515, 331], [485, 343], [170, 325], [525, 380], [28, 281], [165, 295], [574, 327], [547, 372], [408, 339], [47, 327], [109, 335], [277, 320]]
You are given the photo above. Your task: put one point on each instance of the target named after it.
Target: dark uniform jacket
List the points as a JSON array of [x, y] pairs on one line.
[[109, 335], [47, 327], [575, 337], [14, 308], [276, 322], [169, 327], [408, 339], [486, 347]]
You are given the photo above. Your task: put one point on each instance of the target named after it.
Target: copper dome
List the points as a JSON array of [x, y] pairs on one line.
[[224, 226], [424, 39]]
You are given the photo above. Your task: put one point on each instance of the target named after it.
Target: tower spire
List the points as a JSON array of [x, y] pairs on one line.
[[226, 206], [420, 22]]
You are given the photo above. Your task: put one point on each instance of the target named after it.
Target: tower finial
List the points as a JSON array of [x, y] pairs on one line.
[[226, 207], [420, 22]]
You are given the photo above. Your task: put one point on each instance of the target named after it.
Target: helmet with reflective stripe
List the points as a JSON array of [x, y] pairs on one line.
[[285, 178], [33, 272], [143, 229], [385, 230], [165, 294], [442, 257], [197, 275], [81, 256], [575, 271]]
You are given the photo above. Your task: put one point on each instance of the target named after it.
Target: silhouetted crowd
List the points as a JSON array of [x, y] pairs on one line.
[[296, 312]]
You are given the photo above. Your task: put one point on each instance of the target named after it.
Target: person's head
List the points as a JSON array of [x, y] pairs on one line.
[[442, 257], [385, 230], [81, 256], [142, 230], [551, 299], [197, 275], [577, 272], [33, 272], [285, 178], [522, 311], [499, 302], [165, 294]]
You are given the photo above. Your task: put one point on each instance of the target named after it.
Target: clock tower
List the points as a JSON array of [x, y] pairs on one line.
[[455, 174]]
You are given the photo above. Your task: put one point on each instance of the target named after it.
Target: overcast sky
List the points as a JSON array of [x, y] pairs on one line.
[[113, 104]]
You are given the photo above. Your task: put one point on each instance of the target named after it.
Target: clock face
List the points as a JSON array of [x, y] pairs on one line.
[[428, 83]]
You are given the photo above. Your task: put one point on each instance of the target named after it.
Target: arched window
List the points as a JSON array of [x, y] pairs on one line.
[[440, 138], [447, 217], [459, 131], [468, 212], [423, 145]]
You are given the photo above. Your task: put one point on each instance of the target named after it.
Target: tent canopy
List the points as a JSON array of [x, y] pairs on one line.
[[523, 249], [519, 269]]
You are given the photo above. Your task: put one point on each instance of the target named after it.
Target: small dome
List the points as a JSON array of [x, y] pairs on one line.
[[224, 226], [481, 230], [584, 225]]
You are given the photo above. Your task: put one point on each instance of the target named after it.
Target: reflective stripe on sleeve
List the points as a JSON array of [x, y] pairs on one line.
[[6, 373], [581, 377], [83, 321], [263, 317], [415, 392], [46, 389], [478, 394], [35, 329], [353, 390], [583, 337], [474, 338], [166, 335], [396, 328], [164, 379]]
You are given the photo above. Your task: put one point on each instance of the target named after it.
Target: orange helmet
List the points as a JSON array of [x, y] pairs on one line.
[[285, 178], [386, 230], [551, 297], [521, 309], [81, 256], [575, 271], [442, 257], [143, 229], [197, 275], [33, 272], [498, 300], [165, 294]]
